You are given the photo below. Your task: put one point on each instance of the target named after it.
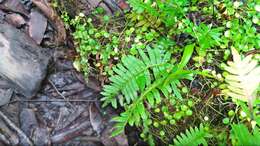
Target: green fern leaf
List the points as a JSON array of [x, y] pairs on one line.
[[242, 137], [141, 81], [243, 77], [131, 70], [192, 137]]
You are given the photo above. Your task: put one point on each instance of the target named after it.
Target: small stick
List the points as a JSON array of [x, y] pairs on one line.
[[60, 93], [53, 100], [14, 127], [70, 132], [90, 138], [4, 139]]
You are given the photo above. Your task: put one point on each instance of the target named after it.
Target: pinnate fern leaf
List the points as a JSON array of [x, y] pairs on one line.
[[133, 75], [243, 77], [242, 137], [141, 82], [192, 137]]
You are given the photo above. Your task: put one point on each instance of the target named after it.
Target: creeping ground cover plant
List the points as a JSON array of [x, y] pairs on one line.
[[183, 72]]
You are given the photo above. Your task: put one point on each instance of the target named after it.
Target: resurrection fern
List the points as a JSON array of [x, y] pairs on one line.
[[192, 137], [240, 136], [243, 78], [141, 82]]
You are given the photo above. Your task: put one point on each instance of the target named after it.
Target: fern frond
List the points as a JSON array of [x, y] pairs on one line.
[[134, 75], [141, 82], [241, 136], [192, 137], [243, 77]]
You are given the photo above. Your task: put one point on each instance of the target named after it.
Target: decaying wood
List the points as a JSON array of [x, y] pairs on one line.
[[24, 139], [71, 132], [15, 19], [14, 6], [22, 63], [37, 26], [7, 136], [66, 119], [4, 139], [54, 18], [95, 118], [5, 96], [28, 121]]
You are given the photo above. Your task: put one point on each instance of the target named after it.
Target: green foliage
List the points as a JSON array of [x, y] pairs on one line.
[[192, 137], [241, 25], [206, 36], [106, 39], [240, 136], [140, 81], [241, 35], [168, 11]]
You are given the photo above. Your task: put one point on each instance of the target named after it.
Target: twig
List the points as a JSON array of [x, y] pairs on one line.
[[252, 52], [90, 138], [60, 93], [53, 100], [4, 139], [14, 127]]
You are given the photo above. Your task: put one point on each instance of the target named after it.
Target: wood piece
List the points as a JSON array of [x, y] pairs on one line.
[[23, 138], [4, 140], [37, 26], [15, 19], [71, 132], [5, 96], [66, 118], [41, 137], [22, 63], [96, 119], [8, 134], [14, 6], [28, 121]]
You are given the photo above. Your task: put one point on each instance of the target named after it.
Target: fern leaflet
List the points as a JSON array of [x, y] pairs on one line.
[[241, 136], [192, 137]]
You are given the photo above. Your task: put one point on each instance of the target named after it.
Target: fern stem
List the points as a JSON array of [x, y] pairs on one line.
[[143, 96]]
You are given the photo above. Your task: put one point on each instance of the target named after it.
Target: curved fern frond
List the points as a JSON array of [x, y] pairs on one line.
[[243, 77], [192, 137]]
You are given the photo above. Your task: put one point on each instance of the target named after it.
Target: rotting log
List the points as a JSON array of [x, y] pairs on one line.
[[22, 62]]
